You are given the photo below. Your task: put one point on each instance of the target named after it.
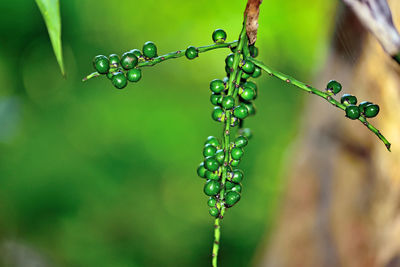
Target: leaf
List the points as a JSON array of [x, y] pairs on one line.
[[50, 10], [251, 14]]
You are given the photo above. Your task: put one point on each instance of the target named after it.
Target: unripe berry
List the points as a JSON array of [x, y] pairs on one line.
[[191, 52], [101, 64], [247, 93], [213, 211], [241, 141], [234, 163], [215, 99], [212, 175], [348, 99], [228, 102], [237, 176], [114, 60], [362, 106], [229, 60], [246, 132], [211, 164], [253, 51], [211, 202], [236, 153], [136, 52], [212, 188], [219, 36], [134, 75], [251, 108], [257, 72], [149, 49], [248, 66], [218, 114], [371, 110], [212, 140], [334, 87], [201, 171], [217, 86], [128, 60], [231, 198], [220, 156], [119, 80], [352, 112], [241, 111], [209, 150]]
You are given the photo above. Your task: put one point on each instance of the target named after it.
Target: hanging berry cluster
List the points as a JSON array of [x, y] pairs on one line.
[[233, 98]]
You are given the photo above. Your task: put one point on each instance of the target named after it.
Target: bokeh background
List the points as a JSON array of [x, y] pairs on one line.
[[94, 176]]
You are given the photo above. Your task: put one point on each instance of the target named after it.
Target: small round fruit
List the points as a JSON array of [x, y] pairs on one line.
[[209, 150], [252, 85], [217, 86], [348, 99], [231, 198], [253, 51], [237, 188], [257, 72], [212, 175], [241, 141], [248, 66], [237, 153], [201, 171], [211, 164], [229, 60], [149, 49], [129, 60], [213, 211], [218, 114], [352, 112], [220, 156], [240, 111], [371, 110], [334, 87], [229, 185], [119, 80], [212, 140], [228, 102], [362, 106], [211, 202], [114, 60], [234, 163], [215, 99], [251, 108], [219, 36], [101, 64], [191, 52], [246, 132], [237, 176], [134, 75], [247, 93], [136, 52], [212, 188]]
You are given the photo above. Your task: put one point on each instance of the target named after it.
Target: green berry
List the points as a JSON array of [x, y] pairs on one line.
[[213, 211], [211, 164], [251, 108], [237, 188], [114, 60], [252, 85], [211, 202], [257, 72], [149, 49], [240, 111], [136, 52], [219, 36], [119, 80], [246, 132], [231, 198], [212, 140], [101, 64], [128, 60], [362, 106], [212, 188], [352, 112], [220, 156], [228, 102], [348, 99], [334, 87], [209, 150], [237, 153], [217, 86], [245, 76], [201, 171], [248, 66], [191, 52], [371, 110], [215, 99], [234, 163], [247, 93], [229, 60], [229, 185], [241, 141], [253, 51], [218, 114], [212, 175], [134, 75], [237, 176]]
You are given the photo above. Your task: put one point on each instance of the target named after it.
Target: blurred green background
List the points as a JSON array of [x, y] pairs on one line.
[[94, 176]]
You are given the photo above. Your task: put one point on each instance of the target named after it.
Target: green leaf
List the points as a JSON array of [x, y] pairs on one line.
[[50, 10]]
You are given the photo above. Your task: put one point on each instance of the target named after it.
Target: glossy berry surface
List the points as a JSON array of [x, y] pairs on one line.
[[209, 150], [228, 102], [248, 67], [191, 52], [219, 36], [212, 175], [220, 156], [213, 211], [211, 202], [136, 52], [212, 187], [362, 106], [215, 99], [134, 75], [253, 51], [231, 198], [371, 110], [237, 176], [234, 163], [352, 112], [218, 114], [251, 108], [229, 60], [114, 60], [348, 99], [101, 64], [248, 93], [334, 87], [237, 153], [241, 141], [119, 80], [211, 164], [257, 72], [149, 49], [237, 188], [241, 112], [128, 60], [217, 86], [201, 171], [212, 140]]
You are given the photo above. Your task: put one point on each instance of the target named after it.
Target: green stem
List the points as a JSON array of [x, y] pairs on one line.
[[176, 54], [327, 96]]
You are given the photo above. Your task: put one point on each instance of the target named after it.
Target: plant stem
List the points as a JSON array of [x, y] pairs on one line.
[[327, 96]]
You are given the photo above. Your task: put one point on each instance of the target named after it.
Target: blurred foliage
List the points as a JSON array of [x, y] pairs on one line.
[[93, 176]]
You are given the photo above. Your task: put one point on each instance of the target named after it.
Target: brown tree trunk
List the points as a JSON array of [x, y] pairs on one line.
[[342, 204]]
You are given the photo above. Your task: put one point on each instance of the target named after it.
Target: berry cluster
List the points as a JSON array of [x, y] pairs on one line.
[[232, 98], [366, 109], [124, 69]]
